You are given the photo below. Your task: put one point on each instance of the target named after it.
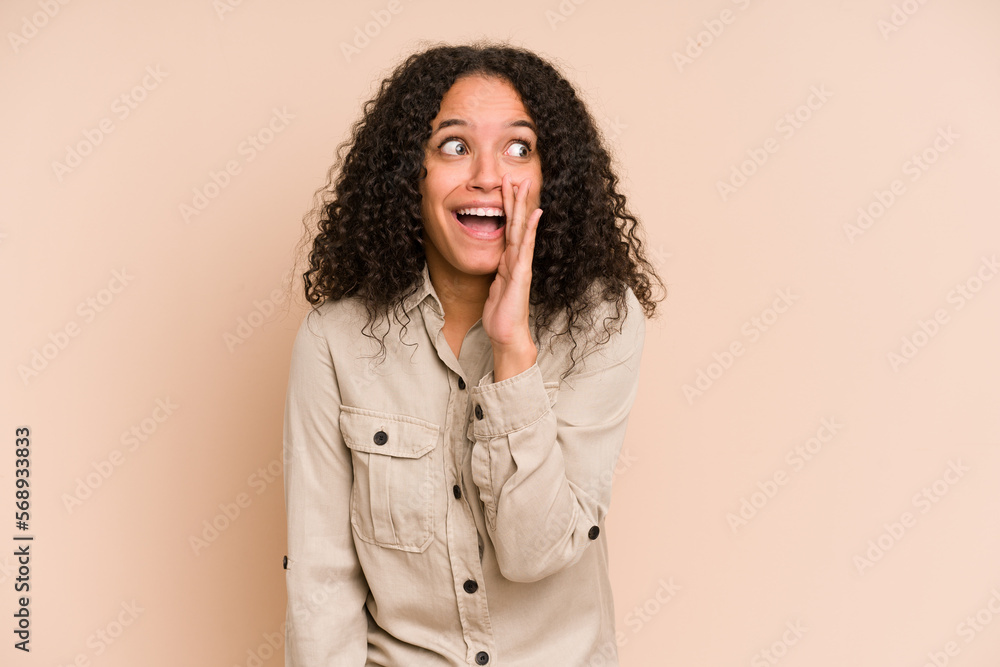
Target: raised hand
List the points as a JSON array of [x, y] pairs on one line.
[[505, 314]]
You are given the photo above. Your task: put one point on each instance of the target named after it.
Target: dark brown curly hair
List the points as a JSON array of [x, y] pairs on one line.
[[369, 238]]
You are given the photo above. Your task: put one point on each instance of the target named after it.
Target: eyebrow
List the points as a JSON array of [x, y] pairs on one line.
[[458, 121]]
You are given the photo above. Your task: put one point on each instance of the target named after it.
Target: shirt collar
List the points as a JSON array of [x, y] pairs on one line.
[[425, 289]]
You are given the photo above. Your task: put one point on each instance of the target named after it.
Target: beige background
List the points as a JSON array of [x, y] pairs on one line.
[[195, 318]]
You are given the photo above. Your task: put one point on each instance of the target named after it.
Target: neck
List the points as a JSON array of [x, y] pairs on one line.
[[462, 295]]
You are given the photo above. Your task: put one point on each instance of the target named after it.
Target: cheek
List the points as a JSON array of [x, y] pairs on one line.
[[536, 189], [436, 185], [534, 172]]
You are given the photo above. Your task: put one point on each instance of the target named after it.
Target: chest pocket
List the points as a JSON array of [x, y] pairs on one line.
[[392, 498]]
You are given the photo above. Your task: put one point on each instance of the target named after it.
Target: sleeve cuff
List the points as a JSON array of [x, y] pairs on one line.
[[510, 405]]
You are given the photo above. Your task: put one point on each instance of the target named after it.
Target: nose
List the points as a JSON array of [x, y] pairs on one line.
[[486, 173]]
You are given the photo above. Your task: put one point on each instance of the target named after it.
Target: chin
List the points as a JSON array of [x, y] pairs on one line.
[[476, 261], [481, 268]]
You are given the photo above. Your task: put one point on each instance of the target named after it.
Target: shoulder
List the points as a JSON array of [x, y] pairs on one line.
[[617, 330], [620, 317], [610, 332], [329, 325], [331, 318], [627, 315], [344, 328]]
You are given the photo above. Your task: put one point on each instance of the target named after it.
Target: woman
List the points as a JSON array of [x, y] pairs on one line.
[[458, 395]]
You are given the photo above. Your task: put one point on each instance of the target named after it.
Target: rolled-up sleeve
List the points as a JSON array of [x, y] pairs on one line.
[[544, 466], [326, 623]]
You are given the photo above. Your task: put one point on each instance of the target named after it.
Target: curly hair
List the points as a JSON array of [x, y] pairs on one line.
[[586, 235]]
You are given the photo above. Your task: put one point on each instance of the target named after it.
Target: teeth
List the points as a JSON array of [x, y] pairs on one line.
[[494, 212]]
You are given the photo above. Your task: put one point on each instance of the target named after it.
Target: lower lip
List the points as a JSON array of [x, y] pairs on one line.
[[482, 236]]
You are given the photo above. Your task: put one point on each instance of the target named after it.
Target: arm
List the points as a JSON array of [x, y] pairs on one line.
[[326, 622], [544, 471]]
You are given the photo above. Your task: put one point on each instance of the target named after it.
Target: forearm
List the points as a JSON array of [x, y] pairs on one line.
[[545, 452], [511, 360], [545, 476]]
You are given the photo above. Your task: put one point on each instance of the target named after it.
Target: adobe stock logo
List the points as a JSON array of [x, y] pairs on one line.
[[752, 329], [31, 25], [797, 457], [635, 620], [915, 167], [779, 648], [105, 636], [248, 150], [899, 17], [967, 630], [131, 440], [372, 29], [223, 7], [272, 645], [565, 9], [923, 500], [247, 326], [122, 107], [230, 512], [60, 339], [714, 28], [963, 292], [789, 123]]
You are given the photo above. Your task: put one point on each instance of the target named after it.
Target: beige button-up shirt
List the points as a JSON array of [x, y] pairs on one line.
[[436, 517]]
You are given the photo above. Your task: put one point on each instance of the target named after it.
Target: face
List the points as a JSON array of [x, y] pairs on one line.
[[481, 132]]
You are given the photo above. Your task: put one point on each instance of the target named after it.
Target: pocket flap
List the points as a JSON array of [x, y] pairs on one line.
[[399, 435]]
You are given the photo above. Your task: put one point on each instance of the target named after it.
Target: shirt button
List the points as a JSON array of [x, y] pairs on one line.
[[594, 532], [457, 491], [470, 586], [482, 658], [479, 415], [381, 438], [284, 562], [461, 383]]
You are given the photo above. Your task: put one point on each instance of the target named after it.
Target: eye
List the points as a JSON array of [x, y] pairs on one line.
[[521, 147], [458, 149]]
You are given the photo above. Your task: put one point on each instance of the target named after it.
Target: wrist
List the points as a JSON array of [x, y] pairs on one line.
[[512, 359]]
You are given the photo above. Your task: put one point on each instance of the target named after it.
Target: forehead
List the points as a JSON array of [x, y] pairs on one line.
[[475, 97]]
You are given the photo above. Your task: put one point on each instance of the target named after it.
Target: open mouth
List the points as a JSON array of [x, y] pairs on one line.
[[481, 219]]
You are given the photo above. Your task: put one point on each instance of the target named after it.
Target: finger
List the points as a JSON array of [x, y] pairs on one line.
[[507, 193], [520, 206], [528, 244]]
